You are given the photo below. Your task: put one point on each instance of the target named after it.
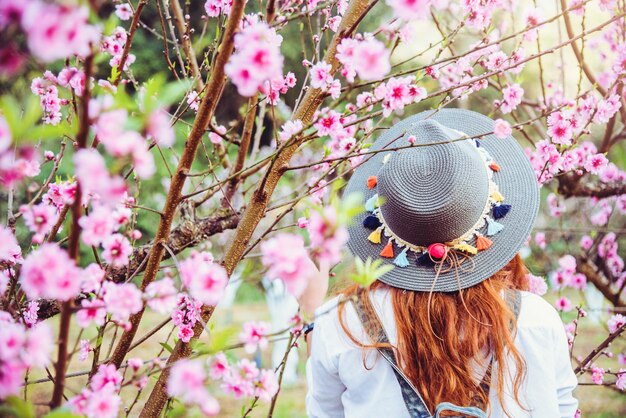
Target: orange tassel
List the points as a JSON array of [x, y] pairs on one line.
[[387, 252], [372, 181], [494, 166], [483, 243]]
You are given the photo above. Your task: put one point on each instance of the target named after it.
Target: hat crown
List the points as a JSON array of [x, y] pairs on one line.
[[435, 191]]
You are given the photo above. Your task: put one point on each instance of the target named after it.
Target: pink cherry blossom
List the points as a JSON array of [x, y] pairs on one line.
[[616, 322], [286, 259], [266, 386], [91, 311], [586, 242], [563, 304], [159, 129], [219, 367], [597, 375], [328, 238], [10, 251], [123, 11], [502, 128], [511, 97], [410, 9], [321, 76], [369, 58], [205, 280], [254, 335], [620, 382], [187, 383], [117, 249], [97, 226], [214, 8], [91, 171], [49, 272], [83, 350], [536, 284], [56, 32], [39, 218], [289, 129], [161, 295], [257, 58], [122, 300]]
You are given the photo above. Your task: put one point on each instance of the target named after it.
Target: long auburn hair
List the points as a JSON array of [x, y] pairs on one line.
[[439, 346]]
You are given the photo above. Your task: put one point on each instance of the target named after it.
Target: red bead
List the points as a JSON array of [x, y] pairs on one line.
[[437, 250]]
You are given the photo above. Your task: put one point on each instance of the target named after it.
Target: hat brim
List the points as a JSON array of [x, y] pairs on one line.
[[516, 181]]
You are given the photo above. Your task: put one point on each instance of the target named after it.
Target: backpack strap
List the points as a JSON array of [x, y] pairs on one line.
[[412, 399], [371, 324]]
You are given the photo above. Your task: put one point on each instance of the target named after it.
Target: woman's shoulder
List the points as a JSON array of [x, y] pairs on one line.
[[536, 312]]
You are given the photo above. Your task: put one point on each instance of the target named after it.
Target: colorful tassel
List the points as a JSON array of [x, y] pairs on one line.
[[497, 196], [401, 260], [494, 166], [372, 222], [466, 248], [500, 211], [371, 203], [425, 260], [375, 236], [372, 181], [477, 142], [493, 227], [387, 252], [482, 242]]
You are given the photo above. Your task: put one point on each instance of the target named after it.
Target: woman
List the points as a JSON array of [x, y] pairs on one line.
[[449, 330]]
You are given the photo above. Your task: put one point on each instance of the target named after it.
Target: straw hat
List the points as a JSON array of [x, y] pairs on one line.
[[449, 204]]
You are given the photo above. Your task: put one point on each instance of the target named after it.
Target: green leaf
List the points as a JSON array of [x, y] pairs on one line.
[[167, 347], [369, 271], [17, 407], [219, 340], [60, 413]]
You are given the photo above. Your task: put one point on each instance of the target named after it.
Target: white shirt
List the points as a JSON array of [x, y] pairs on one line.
[[340, 385]]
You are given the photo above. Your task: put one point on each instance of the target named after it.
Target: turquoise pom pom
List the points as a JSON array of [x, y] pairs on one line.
[[401, 260], [371, 203], [493, 227]]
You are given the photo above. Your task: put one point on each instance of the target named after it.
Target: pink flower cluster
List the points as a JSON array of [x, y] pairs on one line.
[[101, 398], [566, 275], [321, 77], [49, 272], [616, 322], [410, 9], [254, 336], [204, 279], [114, 45], [97, 183], [536, 284], [396, 93], [328, 237], [608, 251], [286, 259], [214, 8], [257, 58], [21, 348], [548, 161], [243, 379], [48, 92], [53, 31], [18, 163], [186, 316], [187, 382], [120, 142], [10, 251], [368, 58]]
